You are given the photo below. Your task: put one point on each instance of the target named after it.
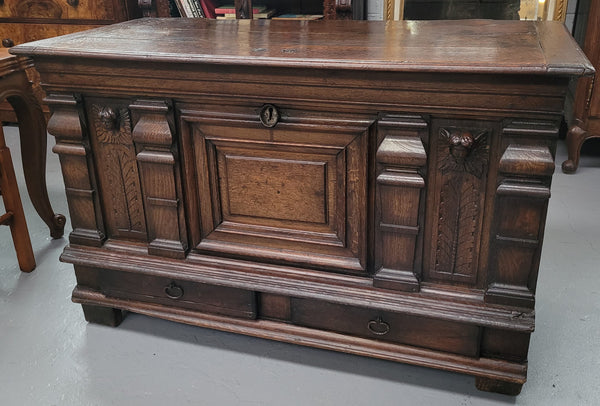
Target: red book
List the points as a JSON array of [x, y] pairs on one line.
[[208, 7]]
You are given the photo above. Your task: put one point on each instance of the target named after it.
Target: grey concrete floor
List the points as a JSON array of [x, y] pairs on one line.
[[50, 356]]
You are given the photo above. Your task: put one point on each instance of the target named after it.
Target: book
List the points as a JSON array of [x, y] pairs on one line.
[[184, 8], [256, 16], [298, 17], [208, 7], [196, 8], [230, 9]]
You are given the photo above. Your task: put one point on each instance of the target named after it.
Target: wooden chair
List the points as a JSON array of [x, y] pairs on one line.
[[14, 216], [15, 87]]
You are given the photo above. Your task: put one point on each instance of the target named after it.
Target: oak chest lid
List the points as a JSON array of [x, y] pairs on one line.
[[469, 46]]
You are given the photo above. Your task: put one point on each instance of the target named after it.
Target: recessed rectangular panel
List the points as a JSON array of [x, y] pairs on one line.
[[276, 188], [294, 194]]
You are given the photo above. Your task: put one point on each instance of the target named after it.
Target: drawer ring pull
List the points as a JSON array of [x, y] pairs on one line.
[[378, 327], [174, 291]]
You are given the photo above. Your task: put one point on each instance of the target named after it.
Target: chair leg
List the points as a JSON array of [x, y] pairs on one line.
[[575, 138], [15, 216]]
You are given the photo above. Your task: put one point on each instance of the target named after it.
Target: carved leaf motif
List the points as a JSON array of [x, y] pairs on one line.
[[120, 170], [467, 228], [449, 218], [462, 161], [131, 189], [459, 210]]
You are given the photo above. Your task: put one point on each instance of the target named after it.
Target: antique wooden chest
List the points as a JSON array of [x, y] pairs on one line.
[[367, 187]]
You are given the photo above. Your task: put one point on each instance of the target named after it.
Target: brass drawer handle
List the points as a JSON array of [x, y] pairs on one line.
[[174, 291], [378, 327]]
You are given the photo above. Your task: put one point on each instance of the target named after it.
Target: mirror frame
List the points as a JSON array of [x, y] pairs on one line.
[[394, 10]]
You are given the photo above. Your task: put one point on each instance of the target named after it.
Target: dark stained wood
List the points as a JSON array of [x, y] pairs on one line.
[[346, 185], [118, 177], [500, 386], [458, 176], [274, 307], [587, 97], [502, 371], [161, 182], [437, 335], [401, 158], [505, 344], [291, 203], [172, 292], [299, 282], [444, 46], [102, 315]]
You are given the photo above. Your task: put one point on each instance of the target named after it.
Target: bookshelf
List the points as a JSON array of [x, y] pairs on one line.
[[246, 9]]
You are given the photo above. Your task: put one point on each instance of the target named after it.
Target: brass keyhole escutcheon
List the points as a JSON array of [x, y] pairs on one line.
[[378, 327], [269, 115]]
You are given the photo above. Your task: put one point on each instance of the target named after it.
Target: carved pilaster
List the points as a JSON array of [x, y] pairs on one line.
[[73, 148], [520, 212], [401, 161], [457, 191], [161, 180], [118, 177]]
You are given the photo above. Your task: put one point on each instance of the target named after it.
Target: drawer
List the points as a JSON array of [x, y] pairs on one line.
[[179, 293], [58, 9], [387, 326]]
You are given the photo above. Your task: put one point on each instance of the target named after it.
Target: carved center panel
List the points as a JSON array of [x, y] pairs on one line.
[[458, 189], [117, 170], [283, 194]]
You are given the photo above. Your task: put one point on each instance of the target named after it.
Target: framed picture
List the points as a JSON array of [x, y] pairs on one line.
[[459, 9]]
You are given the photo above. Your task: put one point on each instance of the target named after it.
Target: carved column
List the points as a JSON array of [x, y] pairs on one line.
[[161, 181], [73, 148], [520, 213], [401, 161]]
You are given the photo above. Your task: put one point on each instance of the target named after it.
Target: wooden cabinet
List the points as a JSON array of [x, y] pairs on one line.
[[586, 112], [30, 20], [382, 194]]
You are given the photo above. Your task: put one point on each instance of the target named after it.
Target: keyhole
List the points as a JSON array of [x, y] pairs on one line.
[[269, 115]]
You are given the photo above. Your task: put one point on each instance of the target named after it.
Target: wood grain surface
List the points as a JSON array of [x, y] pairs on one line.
[[447, 46]]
